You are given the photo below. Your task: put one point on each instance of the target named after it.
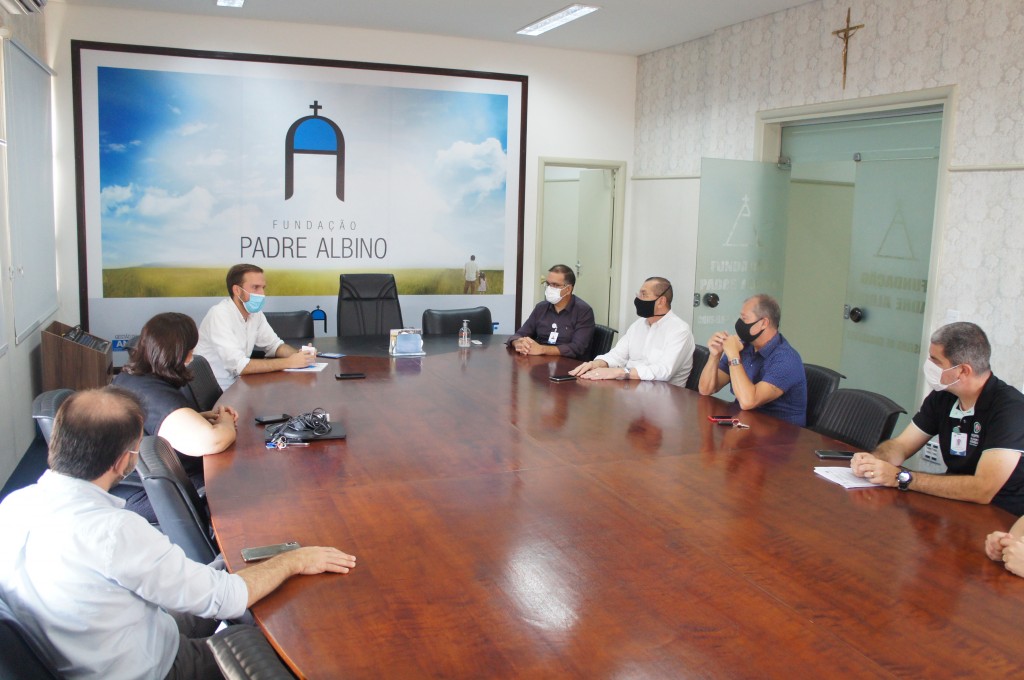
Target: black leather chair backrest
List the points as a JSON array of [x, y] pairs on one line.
[[20, 658], [821, 382], [449, 321], [860, 418], [368, 304], [601, 341], [203, 388], [291, 325], [44, 409], [242, 653], [181, 513], [700, 360]]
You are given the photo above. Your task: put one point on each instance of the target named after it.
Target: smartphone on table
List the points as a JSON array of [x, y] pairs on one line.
[[562, 378], [724, 420], [829, 454], [266, 551]]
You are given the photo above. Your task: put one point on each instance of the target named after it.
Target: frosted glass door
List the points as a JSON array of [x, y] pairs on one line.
[[741, 240], [893, 213]]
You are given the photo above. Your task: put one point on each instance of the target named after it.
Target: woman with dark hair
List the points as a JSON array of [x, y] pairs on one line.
[[156, 371]]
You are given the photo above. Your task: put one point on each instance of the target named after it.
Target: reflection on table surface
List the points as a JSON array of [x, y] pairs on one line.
[[509, 526]]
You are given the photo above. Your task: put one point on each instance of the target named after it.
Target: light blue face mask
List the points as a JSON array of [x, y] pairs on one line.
[[255, 303]]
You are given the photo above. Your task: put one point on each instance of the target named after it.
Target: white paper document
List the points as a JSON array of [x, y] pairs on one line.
[[843, 476], [315, 368]]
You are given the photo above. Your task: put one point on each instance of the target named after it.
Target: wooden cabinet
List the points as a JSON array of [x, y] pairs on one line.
[[76, 361]]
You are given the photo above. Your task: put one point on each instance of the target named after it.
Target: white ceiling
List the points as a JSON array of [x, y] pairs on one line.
[[621, 26]]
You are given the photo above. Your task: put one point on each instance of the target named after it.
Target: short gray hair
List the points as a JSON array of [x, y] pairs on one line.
[[964, 343], [767, 307]]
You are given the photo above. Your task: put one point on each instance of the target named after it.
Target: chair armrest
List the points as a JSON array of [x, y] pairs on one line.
[[242, 653]]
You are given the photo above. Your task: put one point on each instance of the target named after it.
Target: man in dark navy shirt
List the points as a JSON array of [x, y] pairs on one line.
[[763, 370], [979, 420], [561, 325]]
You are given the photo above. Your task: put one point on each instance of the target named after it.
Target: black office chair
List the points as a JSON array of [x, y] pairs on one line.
[[181, 513], [821, 382], [44, 410], [291, 325], [243, 653], [700, 360], [368, 304], [860, 418], [449, 321], [20, 657], [203, 388], [601, 341]]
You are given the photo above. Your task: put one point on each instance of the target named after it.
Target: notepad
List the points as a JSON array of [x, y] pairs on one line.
[[844, 477], [315, 368]]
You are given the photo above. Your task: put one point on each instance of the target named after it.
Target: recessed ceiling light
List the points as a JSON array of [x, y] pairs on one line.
[[555, 20], [230, 3]]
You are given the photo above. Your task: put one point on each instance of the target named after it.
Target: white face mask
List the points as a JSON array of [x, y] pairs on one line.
[[933, 375], [552, 295]]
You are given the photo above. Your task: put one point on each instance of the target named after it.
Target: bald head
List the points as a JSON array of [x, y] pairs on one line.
[[92, 430]]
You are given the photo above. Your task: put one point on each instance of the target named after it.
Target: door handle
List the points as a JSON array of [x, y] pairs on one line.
[[578, 268], [854, 314], [711, 300]]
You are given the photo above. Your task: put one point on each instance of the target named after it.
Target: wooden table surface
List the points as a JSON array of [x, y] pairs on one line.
[[510, 527]]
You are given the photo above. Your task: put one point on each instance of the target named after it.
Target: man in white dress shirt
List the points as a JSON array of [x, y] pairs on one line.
[[102, 592], [234, 327], [657, 346]]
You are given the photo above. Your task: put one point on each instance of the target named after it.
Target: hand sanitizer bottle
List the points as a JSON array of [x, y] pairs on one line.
[[464, 334]]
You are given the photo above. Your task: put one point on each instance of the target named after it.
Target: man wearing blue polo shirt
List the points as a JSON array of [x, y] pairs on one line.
[[763, 370]]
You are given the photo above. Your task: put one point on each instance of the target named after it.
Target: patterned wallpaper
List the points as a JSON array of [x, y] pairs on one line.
[[700, 99]]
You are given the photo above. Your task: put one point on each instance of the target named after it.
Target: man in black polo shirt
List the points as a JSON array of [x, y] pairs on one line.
[[561, 325], [979, 420]]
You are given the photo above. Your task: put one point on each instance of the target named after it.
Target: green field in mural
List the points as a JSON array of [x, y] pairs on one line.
[[152, 282]]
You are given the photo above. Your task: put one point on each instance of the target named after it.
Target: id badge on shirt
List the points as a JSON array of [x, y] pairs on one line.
[[553, 335], [958, 443]]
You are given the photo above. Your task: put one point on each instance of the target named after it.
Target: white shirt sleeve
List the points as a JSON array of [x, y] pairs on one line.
[[618, 355], [226, 336], [144, 561], [664, 352], [266, 339]]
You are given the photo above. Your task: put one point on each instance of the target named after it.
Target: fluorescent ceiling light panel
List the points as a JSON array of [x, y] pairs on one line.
[[557, 19], [230, 3]]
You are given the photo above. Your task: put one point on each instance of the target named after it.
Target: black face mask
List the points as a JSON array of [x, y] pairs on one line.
[[644, 308], [743, 331]]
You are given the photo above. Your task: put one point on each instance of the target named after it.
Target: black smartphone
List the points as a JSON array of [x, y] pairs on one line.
[[270, 420], [265, 551], [833, 455], [562, 378], [349, 376]]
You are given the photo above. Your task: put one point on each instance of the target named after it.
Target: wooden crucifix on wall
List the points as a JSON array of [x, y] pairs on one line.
[[845, 34]]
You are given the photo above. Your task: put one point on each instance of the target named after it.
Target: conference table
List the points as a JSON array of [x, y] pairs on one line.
[[507, 526]]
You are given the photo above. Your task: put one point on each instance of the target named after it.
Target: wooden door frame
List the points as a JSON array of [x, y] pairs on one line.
[[768, 143]]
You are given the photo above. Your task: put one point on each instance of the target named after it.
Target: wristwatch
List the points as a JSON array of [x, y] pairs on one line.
[[903, 479], [734, 362]]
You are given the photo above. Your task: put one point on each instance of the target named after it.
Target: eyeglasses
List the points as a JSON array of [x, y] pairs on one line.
[[559, 286]]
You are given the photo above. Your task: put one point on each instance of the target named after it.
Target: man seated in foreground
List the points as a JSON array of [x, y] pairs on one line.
[[657, 346], [103, 593], [562, 324], [979, 420], [761, 368], [234, 327]]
